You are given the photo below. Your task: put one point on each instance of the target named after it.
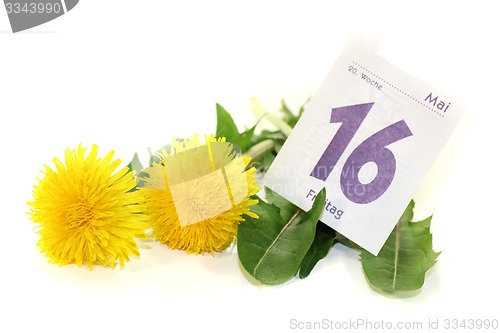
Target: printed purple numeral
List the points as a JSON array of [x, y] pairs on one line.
[[373, 149]]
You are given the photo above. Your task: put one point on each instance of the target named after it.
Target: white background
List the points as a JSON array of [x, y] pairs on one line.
[[129, 75]]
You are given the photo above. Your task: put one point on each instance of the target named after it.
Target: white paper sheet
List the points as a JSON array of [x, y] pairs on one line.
[[369, 136]]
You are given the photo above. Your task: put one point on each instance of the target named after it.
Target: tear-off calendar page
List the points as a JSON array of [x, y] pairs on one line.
[[369, 136]]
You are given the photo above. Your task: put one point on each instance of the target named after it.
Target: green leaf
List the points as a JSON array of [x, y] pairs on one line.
[[266, 162], [244, 140], [271, 248], [272, 135], [228, 129], [405, 257], [252, 144], [135, 164], [323, 242], [288, 116], [265, 147], [225, 124], [339, 238], [261, 112], [287, 209]]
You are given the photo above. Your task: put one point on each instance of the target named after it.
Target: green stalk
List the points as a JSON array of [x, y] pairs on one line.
[[260, 111], [260, 149]]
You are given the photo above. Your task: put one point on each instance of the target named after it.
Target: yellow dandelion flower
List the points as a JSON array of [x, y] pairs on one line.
[[196, 194], [85, 214]]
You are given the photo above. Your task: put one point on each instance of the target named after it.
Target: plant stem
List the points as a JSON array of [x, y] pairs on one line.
[[259, 110], [260, 149]]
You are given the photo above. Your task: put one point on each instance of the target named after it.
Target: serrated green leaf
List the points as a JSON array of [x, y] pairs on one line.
[[272, 249], [405, 257], [244, 140], [287, 209], [266, 161], [288, 114], [272, 135], [228, 129], [289, 117], [248, 141], [323, 242], [225, 124]]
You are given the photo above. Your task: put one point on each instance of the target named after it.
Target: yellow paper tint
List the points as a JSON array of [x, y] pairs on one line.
[[205, 181]]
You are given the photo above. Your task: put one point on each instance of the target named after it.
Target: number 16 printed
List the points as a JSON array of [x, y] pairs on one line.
[[373, 149]]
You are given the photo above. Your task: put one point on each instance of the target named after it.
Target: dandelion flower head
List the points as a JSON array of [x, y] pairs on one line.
[[86, 213], [196, 194]]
